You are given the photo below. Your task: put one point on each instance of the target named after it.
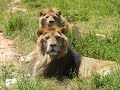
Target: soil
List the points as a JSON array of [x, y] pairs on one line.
[[8, 51]]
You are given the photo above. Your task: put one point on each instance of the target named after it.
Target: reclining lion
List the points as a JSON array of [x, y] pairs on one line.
[[54, 57], [52, 17]]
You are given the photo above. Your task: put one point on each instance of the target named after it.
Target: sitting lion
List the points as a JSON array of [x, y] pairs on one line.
[[54, 57]]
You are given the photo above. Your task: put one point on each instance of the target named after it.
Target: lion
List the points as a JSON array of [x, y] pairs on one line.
[[53, 57], [52, 17]]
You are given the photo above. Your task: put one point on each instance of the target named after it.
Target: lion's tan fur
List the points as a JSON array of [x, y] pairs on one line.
[[52, 12], [39, 62], [90, 66]]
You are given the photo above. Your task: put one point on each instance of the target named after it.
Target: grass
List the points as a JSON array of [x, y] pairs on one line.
[[96, 82], [4, 4], [94, 16], [90, 46]]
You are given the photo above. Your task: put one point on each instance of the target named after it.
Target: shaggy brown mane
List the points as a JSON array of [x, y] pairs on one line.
[[66, 66]]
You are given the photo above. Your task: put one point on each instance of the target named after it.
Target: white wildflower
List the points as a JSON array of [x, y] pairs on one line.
[[10, 82], [22, 58]]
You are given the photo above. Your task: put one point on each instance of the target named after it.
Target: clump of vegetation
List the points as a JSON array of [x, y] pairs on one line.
[[90, 46], [4, 5], [15, 23]]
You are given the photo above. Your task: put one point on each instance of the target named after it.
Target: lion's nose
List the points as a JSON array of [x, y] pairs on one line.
[[52, 45], [51, 21]]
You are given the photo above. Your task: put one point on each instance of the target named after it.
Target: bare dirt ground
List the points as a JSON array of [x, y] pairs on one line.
[[15, 7], [8, 52]]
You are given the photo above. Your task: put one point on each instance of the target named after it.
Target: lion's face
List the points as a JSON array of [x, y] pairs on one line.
[[50, 17], [52, 42]]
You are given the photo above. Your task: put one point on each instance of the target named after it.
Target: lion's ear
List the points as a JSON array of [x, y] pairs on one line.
[[39, 32], [63, 30], [59, 12], [42, 14]]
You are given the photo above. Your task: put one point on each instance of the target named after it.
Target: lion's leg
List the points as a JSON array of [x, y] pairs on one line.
[[39, 64], [29, 57]]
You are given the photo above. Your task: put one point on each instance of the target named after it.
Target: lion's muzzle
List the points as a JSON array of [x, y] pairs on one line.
[[52, 50]]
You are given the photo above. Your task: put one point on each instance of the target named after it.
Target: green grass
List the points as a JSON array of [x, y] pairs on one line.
[[96, 82], [23, 27], [4, 5], [96, 7], [90, 46], [94, 16]]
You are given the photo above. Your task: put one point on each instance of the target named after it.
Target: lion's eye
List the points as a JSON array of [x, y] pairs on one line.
[[57, 37], [47, 16], [54, 16], [47, 37], [57, 15]]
